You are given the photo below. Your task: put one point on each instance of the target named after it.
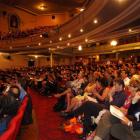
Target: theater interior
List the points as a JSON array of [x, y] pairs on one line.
[[68, 68]]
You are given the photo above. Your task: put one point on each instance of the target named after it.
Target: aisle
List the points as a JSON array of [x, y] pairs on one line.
[[48, 121]]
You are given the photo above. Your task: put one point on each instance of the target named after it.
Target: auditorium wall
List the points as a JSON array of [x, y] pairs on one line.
[[19, 61], [27, 20], [13, 61]]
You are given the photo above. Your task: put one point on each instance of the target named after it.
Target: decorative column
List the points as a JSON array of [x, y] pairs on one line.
[[51, 60], [117, 56]]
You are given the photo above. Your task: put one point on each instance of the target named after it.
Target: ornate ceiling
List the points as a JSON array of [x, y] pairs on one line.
[[46, 6]]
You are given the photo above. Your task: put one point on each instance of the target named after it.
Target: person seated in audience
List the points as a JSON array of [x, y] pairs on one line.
[[8, 108], [116, 97], [95, 92], [72, 91], [129, 126], [125, 77], [13, 91]]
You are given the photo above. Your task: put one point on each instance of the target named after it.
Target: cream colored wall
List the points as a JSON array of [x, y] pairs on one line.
[[16, 61], [47, 19], [28, 21], [19, 61]]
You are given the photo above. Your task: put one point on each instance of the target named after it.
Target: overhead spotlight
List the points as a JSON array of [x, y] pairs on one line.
[[36, 56], [39, 44], [68, 44], [40, 36], [60, 39], [95, 21], [80, 48], [42, 7], [69, 35], [50, 41], [82, 9], [81, 30], [129, 30], [113, 43], [121, 1], [86, 40]]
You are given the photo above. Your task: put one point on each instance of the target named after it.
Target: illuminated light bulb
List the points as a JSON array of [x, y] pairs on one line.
[[81, 30], [68, 44], [36, 56], [113, 43], [69, 35], [28, 46], [86, 40], [39, 44], [82, 9], [40, 36], [58, 47], [130, 30], [60, 39], [95, 21], [80, 48], [50, 41], [11, 47]]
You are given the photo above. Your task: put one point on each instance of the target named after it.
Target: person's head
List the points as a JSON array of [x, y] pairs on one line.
[[101, 83], [124, 74], [80, 75], [14, 91], [8, 105], [134, 85], [119, 85]]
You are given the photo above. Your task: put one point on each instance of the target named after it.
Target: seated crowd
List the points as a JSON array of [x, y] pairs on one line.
[[85, 93], [12, 93], [26, 33]]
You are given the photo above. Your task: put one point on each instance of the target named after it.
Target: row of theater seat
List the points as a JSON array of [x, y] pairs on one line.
[[14, 125]]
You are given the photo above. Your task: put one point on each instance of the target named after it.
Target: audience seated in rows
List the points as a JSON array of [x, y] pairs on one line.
[[86, 92]]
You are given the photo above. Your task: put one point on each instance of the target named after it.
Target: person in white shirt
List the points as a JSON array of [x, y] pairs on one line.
[[125, 78]]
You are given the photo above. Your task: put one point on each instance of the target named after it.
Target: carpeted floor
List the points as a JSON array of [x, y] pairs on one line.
[[48, 121]]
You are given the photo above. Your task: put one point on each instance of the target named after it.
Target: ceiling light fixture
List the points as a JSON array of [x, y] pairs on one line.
[[113, 43], [95, 21], [86, 40], [81, 30], [42, 7], [60, 39], [68, 44], [80, 48], [69, 35], [82, 9], [129, 30], [36, 56]]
